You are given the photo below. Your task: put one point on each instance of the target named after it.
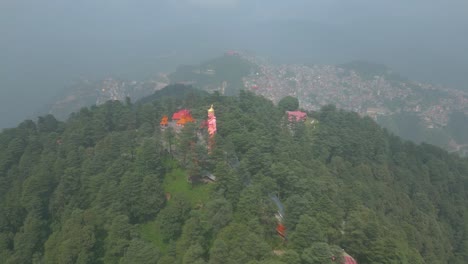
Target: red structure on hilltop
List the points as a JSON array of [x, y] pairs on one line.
[[296, 115], [183, 116]]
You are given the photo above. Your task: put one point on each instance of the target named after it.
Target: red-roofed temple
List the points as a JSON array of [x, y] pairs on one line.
[[182, 116], [296, 115]]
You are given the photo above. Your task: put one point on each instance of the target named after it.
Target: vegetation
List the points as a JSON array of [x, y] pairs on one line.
[[457, 126], [409, 126], [288, 103], [95, 188], [211, 74]]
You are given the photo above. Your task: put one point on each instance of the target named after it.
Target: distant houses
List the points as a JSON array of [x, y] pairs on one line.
[[373, 112]]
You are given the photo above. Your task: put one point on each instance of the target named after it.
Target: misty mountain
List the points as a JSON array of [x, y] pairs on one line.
[[416, 111], [49, 46]]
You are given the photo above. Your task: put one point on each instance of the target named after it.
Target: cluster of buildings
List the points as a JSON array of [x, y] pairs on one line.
[[319, 85], [112, 89]]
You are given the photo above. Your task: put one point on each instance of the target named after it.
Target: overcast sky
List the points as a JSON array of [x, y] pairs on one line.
[[46, 45]]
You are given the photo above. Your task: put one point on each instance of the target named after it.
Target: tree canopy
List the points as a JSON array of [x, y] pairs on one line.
[[288, 103], [110, 186]]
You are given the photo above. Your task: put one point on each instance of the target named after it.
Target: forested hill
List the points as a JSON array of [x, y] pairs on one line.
[[110, 186]]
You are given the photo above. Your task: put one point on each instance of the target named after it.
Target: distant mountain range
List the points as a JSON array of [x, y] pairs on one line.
[[413, 110]]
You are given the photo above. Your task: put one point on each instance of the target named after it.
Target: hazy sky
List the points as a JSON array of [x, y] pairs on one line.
[[46, 45]]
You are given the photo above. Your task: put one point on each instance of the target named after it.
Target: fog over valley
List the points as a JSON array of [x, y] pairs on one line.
[[234, 131], [46, 46]]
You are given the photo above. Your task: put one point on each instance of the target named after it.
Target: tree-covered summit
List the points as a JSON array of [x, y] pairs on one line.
[[110, 186]]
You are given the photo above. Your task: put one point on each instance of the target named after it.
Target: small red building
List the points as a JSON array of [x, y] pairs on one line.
[[281, 230], [296, 115], [182, 116]]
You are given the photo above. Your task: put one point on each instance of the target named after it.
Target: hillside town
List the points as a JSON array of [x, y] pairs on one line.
[[319, 85]]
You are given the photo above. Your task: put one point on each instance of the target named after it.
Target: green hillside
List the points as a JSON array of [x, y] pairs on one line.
[[109, 186], [211, 74]]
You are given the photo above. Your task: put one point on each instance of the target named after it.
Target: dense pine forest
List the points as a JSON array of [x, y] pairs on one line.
[[110, 185]]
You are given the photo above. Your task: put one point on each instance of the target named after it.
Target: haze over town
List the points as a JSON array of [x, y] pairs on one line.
[[47, 45]]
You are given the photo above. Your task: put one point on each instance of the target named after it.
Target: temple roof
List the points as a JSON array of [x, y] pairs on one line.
[[296, 115], [181, 113]]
